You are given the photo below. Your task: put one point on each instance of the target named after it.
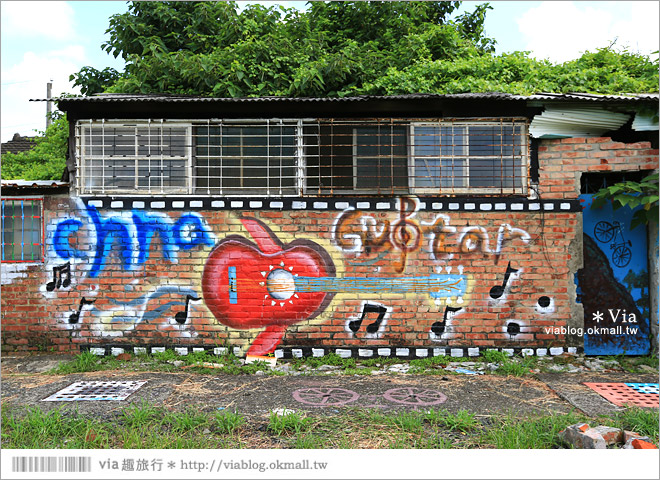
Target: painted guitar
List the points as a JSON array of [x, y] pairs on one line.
[[268, 284]]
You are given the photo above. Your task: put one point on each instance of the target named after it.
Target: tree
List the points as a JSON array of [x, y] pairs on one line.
[[337, 49], [46, 161]]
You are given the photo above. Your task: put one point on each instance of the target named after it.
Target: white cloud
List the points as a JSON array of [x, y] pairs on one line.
[[53, 20], [562, 31], [641, 32], [27, 79]]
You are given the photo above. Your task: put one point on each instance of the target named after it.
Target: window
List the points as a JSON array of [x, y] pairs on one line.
[[120, 158], [278, 157], [22, 230], [469, 157], [356, 157], [239, 158]]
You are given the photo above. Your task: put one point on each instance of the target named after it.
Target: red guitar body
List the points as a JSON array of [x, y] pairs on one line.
[[238, 274]]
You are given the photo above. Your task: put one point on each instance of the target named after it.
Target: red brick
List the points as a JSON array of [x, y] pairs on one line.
[[612, 146], [643, 444]]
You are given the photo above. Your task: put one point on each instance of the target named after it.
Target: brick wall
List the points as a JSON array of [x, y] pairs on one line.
[[420, 272], [562, 161]]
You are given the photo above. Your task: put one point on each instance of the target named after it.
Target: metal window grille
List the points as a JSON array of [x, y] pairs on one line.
[[458, 157], [22, 230], [153, 156], [280, 157]]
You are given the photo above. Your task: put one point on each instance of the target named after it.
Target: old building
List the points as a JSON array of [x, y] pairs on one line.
[[412, 225]]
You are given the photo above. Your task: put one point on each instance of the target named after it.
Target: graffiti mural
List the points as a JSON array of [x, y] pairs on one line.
[[94, 244], [369, 239], [259, 280], [269, 284], [132, 233], [613, 285]]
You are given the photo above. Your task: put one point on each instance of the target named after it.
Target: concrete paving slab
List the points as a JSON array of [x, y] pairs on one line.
[[253, 395]]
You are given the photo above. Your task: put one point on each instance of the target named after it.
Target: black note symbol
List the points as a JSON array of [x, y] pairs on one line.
[[439, 327], [513, 329], [75, 316], [498, 290], [181, 317], [354, 325], [58, 273]]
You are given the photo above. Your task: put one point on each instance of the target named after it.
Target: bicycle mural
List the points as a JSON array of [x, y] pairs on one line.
[[606, 232], [613, 283]]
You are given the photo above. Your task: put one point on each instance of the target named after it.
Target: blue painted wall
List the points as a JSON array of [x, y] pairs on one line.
[[614, 282]]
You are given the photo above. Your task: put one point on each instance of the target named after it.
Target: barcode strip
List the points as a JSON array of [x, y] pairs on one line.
[[51, 464]]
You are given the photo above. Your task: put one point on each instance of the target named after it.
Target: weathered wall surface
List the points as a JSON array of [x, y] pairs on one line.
[[261, 273], [562, 162]]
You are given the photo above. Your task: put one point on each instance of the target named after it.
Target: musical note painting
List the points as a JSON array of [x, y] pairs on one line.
[[354, 277]]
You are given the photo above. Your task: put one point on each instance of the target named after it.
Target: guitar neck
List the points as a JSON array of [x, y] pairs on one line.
[[436, 285]]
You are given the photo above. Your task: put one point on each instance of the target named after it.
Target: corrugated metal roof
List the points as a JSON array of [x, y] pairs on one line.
[[33, 183], [125, 97], [569, 121], [645, 122]]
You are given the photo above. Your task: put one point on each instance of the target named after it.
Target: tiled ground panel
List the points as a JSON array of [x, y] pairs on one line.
[[89, 391], [644, 387], [628, 394]]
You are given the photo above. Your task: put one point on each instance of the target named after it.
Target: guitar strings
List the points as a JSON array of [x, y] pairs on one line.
[[311, 284]]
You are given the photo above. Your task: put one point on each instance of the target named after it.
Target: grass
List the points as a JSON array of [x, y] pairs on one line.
[[227, 422], [310, 441], [288, 423], [139, 426], [149, 426], [495, 356], [84, 362], [462, 421], [199, 362], [633, 364], [528, 433], [186, 421], [641, 420], [142, 414]]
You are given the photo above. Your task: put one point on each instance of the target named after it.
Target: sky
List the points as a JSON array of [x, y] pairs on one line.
[[43, 41]]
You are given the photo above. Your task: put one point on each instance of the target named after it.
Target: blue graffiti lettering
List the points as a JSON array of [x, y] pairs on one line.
[[61, 239], [133, 234], [107, 231], [189, 231], [148, 224]]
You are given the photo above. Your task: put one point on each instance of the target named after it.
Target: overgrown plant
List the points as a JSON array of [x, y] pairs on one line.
[[228, 422], [83, 362], [337, 49], [631, 194]]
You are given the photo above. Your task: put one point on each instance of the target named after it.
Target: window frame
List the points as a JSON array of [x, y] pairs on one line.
[[393, 189], [523, 172], [297, 165], [305, 162], [84, 160], [40, 229]]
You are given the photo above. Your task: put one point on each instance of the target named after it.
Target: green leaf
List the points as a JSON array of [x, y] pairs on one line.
[[598, 201]]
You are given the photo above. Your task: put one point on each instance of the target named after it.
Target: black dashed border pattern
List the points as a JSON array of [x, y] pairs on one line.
[[440, 204], [288, 352]]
